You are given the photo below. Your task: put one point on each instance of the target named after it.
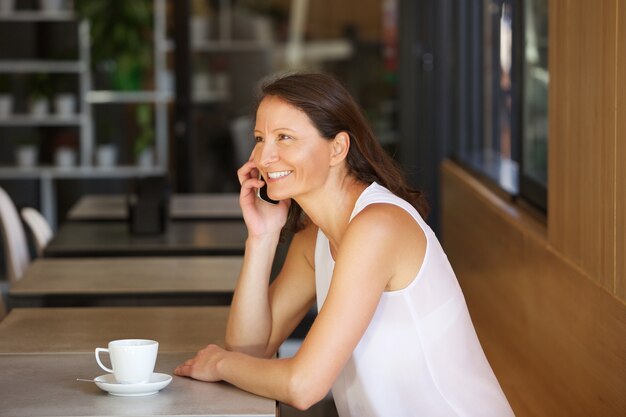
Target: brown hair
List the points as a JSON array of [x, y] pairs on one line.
[[332, 110]]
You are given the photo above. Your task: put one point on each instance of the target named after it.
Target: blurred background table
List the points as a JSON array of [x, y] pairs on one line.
[[188, 238], [131, 281], [77, 329], [95, 207]]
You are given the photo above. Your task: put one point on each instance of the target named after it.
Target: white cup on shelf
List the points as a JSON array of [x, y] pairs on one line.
[[106, 155], [39, 107], [65, 157], [26, 156], [65, 105]]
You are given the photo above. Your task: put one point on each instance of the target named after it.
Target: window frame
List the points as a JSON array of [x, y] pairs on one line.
[[471, 107]]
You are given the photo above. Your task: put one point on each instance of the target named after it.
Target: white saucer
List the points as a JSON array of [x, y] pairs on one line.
[[157, 382]]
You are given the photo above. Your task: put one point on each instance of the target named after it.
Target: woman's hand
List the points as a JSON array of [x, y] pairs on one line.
[[261, 218], [203, 366]]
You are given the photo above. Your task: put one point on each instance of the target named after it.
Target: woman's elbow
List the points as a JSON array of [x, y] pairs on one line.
[[304, 391]]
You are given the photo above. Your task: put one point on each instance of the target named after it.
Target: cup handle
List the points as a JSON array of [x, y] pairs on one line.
[[98, 350]]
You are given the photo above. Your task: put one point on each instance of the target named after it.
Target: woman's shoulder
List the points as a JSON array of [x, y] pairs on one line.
[[386, 236], [379, 209], [398, 239], [376, 193], [386, 226], [383, 215], [378, 203]]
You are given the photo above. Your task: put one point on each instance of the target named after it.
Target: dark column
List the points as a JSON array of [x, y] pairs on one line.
[[182, 127]]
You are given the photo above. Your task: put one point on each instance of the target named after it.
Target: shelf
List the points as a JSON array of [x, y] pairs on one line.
[[318, 51], [129, 97], [25, 120], [78, 172], [37, 16], [220, 46], [231, 46], [42, 66]]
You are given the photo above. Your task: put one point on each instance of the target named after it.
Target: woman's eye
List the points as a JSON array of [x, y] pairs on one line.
[[284, 137], [258, 139]]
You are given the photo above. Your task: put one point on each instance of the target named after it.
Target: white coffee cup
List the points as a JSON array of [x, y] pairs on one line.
[[132, 360]]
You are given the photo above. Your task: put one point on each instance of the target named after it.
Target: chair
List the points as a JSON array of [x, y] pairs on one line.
[[39, 228], [15, 244]]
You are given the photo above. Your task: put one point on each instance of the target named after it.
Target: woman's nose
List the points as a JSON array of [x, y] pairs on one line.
[[267, 154]]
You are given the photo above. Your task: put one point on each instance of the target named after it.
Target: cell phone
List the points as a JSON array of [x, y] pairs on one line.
[[262, 193]]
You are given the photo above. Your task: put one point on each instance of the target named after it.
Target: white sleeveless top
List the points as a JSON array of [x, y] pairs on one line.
[[420, 355]]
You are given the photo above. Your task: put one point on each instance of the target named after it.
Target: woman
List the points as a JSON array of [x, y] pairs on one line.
[[393, 336]]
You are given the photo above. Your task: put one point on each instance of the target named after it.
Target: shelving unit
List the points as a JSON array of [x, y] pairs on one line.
[[79, 67], [160, 97], [81, 120]]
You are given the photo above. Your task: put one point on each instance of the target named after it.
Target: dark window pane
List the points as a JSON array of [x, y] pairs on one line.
[[494, 153], [501, 86], [535, 91]]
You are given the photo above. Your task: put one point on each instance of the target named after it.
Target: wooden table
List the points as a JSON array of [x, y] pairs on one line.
[[43, 351], [127, 282], [189, 238], [182, 207], [77, 329]]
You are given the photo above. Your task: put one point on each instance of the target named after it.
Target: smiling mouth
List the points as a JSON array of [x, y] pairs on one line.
[[278, 174]]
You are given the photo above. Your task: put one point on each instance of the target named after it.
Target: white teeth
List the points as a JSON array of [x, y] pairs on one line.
[[278, 174]]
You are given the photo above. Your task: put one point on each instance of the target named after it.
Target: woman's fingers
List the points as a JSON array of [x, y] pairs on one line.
[[182, 370], [202, 366], [247, 170]]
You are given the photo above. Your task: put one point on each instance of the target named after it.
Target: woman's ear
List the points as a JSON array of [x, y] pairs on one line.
[[340, 147]]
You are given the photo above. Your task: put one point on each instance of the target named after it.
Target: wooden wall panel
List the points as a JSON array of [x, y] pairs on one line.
[[582, 134], [556, 340], [578, 336], [620, 155], [490, 271]]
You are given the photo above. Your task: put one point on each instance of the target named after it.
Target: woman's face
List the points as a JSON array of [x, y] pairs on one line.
[[290, 153]]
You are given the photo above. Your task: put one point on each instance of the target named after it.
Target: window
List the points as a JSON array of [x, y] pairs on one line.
[[502, 84], [535, 78]]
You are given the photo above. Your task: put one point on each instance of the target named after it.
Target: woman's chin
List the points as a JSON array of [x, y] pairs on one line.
[[276, 197]]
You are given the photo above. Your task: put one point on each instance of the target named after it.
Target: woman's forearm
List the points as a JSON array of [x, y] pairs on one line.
[[250, 320], [280, 379]]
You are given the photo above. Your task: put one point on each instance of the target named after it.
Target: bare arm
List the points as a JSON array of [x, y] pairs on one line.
[[262, 316], [372, 254]]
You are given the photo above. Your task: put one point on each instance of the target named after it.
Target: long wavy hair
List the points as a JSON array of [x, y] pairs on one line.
[[332, 110]]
